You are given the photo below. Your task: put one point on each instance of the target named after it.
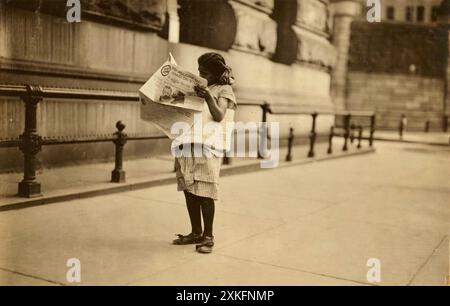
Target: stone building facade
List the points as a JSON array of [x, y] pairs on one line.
[[313, 55], [280, 50], [411, 11], [394, 67]]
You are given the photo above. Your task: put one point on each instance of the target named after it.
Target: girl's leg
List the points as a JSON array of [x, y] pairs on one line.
[[194, 210], [193, 206], [208, 210]]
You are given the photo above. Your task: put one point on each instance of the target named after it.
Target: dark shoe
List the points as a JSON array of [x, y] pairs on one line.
[[188, 239], [206, 246]]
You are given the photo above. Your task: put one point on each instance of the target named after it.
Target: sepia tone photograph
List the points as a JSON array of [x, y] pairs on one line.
[[204, 144]]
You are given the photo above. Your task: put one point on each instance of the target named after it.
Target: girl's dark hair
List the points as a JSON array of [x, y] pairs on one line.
[[215, 64]]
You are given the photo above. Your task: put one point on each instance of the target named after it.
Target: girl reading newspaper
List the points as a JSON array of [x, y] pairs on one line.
[[198, 172]]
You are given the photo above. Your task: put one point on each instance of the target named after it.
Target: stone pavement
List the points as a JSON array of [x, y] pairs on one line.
[[311, 224], [434, 138], [86, 180]]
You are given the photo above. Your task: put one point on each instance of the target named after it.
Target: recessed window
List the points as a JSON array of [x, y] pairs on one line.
[[420, 14], [409, 13], [434, 13], [390, 13]]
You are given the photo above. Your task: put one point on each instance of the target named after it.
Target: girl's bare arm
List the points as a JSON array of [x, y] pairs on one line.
[[217, 108]]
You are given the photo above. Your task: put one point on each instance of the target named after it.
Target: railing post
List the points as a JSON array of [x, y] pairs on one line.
[[372, 129], [427, 126], [401, 126], [226, 160], [445, 123], [290, 143], [352, 133], [263, 131], [346, 132], [330, 141], [30, 143], [312, 135], [360, 134], [118, 174]]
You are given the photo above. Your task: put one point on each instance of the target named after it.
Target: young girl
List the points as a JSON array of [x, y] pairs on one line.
[[197, 175]]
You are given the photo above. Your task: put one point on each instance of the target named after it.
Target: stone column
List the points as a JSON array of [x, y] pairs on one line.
[[343, 13], [174, 21]]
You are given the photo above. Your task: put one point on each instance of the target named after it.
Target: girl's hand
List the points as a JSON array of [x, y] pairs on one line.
[[218, 108], [202, 91]]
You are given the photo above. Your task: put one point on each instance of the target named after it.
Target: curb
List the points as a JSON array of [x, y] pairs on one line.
[[256, 167], [414, 142], [110, 188]]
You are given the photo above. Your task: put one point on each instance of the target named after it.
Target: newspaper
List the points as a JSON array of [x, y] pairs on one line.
[[164, 116], [169, 97], [170, 85]]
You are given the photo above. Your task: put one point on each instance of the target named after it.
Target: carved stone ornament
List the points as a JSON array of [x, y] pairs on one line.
[[313, 13], [262, 3], [150, 12], [256, 31], [314, 49], [138, 12]]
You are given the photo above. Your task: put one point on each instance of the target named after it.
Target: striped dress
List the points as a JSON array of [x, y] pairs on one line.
[[199, 175]]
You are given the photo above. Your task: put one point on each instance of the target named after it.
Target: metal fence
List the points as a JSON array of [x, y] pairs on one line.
[[30, 142]]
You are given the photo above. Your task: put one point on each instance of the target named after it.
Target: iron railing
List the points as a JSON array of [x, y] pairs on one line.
[[30, 142]]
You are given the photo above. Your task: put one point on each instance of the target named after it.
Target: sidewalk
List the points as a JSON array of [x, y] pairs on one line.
[[315, 224], [81, 181], [432, 138]]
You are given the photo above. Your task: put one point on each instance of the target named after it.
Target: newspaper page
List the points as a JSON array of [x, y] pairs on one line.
[[170, 85], [169, 97], [164, 116]]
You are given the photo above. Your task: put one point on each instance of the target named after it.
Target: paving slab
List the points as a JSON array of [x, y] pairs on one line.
[[118, 239], [436, 271], [340, 249], [220, 270], [13, 278], [306, 224]]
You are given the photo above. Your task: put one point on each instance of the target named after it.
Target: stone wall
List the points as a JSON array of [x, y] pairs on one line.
[[398, 69], [44, 49], [302, 87], [391, 95], [398, 48]]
